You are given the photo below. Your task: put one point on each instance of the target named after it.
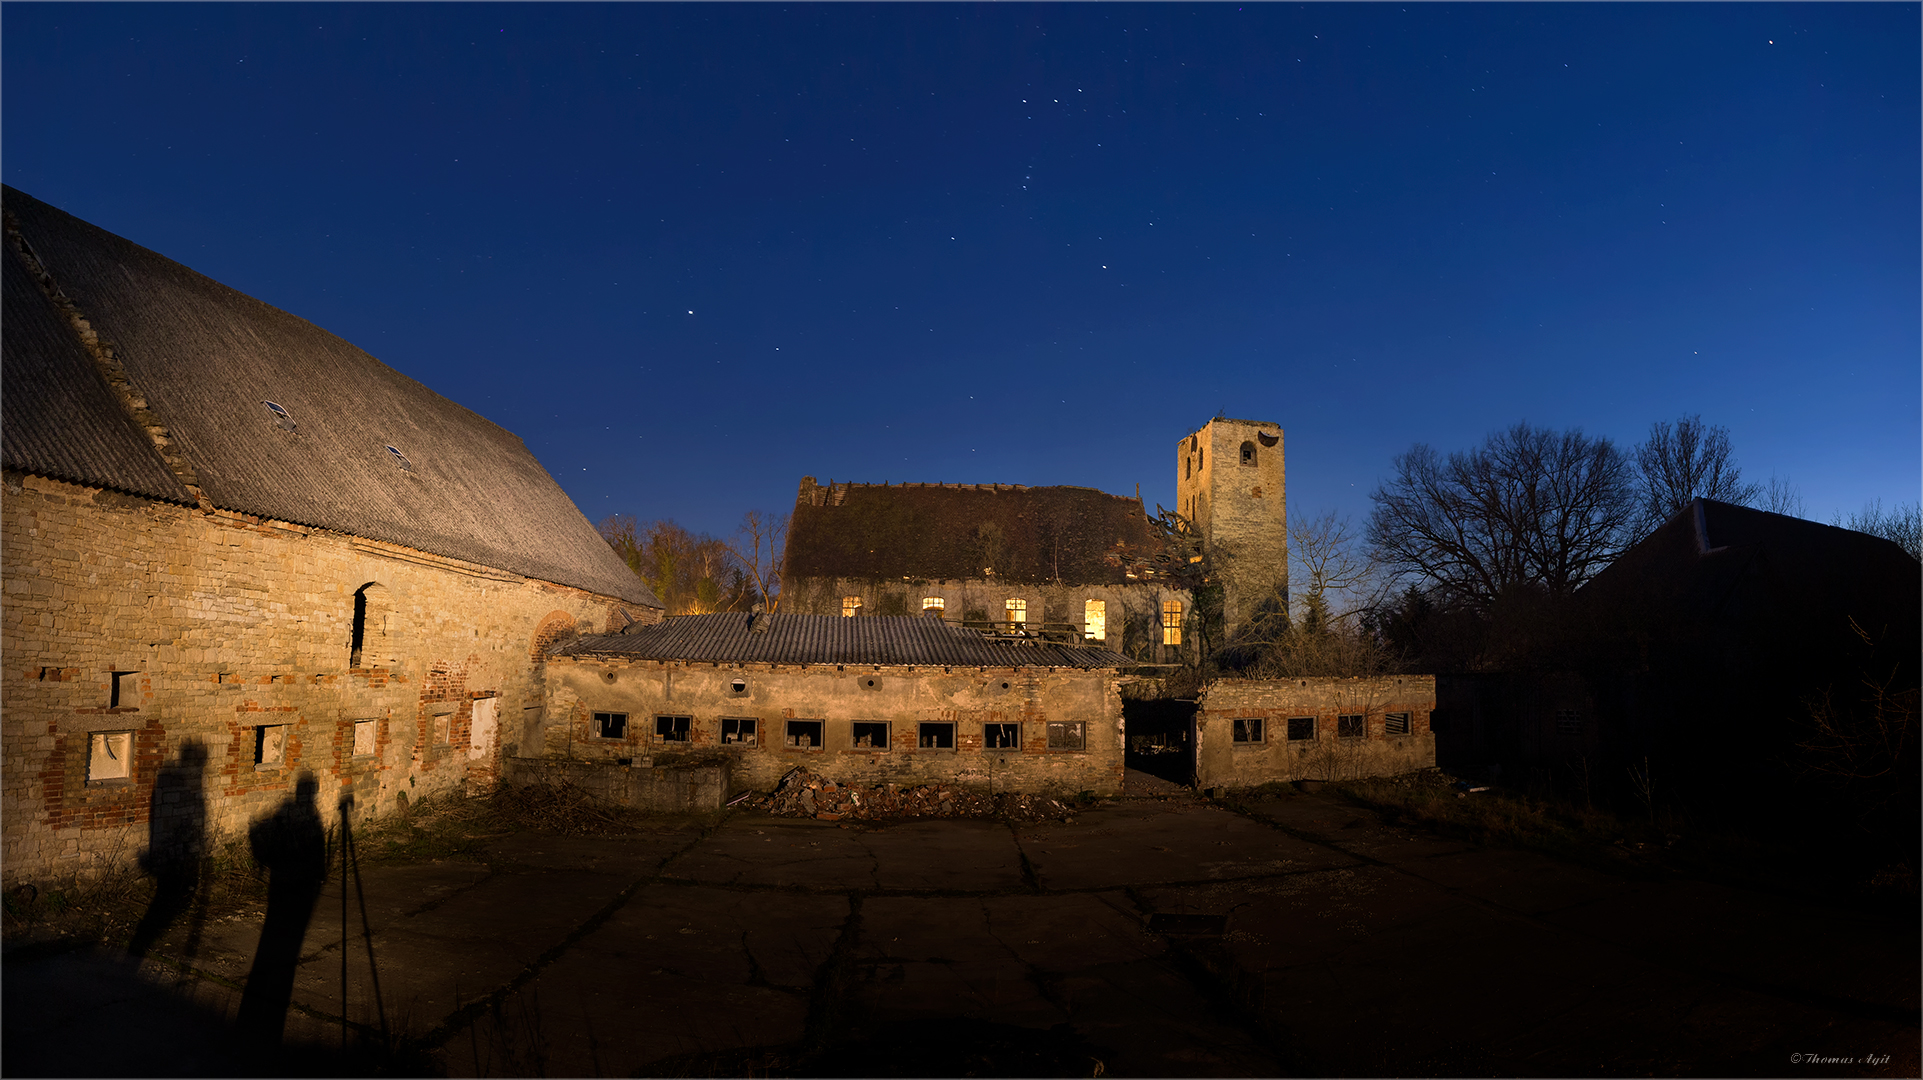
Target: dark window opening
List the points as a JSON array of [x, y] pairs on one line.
[[360, 627], [672, 728], [1066, 734], [1001, 736], [871, 735], [1248, 729], [736, 729], [611, 725], [1350, 727], [937, 736], [1568, 722], [804, 734], [1395, 723], [1248, 453], [739, 686], [270, 746], [120, 679], [1301, 727]]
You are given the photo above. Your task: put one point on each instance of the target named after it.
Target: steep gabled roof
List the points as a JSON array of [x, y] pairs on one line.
[[1074, 535], [830, 639], [204, 358]]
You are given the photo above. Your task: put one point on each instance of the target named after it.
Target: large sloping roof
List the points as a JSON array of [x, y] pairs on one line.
[[1074, 535], [831, 639], [1715, 565], [204, 357]]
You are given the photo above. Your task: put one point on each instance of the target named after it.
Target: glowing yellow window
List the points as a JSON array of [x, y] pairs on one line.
[[1017, 611], [1095, 620], [933, 603], [1171, 622], [850, 606]]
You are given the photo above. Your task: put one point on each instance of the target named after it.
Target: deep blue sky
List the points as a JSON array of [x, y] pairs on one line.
[[691, 254]]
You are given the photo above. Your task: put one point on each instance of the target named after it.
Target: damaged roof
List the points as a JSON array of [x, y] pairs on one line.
[[354, 446], [831, 639], [945, 532]]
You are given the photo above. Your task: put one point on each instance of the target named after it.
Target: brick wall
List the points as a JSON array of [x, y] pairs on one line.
[[222, 623], [840, 697], [1223, 761]]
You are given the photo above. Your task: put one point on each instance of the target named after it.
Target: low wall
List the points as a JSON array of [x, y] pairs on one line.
[[669, 787], [1326, 746]]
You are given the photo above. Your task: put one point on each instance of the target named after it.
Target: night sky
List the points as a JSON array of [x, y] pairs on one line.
[[690, 254]]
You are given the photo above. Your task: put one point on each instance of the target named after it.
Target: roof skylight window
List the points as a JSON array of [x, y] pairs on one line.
[[401, 460], [282, 418]]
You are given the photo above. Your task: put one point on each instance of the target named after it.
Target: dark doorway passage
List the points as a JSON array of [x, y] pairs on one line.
[[1160, 738]]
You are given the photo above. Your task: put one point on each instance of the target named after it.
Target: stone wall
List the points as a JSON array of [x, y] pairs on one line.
[[1132, 613], [1239, 506], [1267, 753], [693, 784], [192, 630], [839, 699]]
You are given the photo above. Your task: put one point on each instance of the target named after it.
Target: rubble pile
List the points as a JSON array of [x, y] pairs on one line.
[[803, 794]]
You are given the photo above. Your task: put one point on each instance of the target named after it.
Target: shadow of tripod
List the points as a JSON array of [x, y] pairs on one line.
[[350, 864]]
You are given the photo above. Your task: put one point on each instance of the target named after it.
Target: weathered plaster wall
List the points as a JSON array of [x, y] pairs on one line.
[[1220, 761], [223, 623], [905, 697], [1133, 612]]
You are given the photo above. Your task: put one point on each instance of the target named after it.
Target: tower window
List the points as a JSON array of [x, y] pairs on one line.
[[1095, 620], [850, 606], [1248, 453], [1171, 622]]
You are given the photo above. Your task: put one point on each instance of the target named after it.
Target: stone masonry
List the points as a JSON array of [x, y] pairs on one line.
[[1320, 728], [1230, 484], [914, 703], [181, 626]]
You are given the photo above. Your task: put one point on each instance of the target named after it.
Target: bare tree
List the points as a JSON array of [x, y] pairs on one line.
[[1329, 567], [1530, 507], [1781, 497], [1684, 461], [758, 546], [1902, 524]]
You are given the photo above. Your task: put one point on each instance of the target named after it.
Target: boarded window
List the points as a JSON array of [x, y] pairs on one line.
[[1301, 727], [1171, 622], [1095, 620], [270, 746], [672, 728], [110, 755], [937, 736], [738, 729], [1350, 727], [611, 725], [444, 729], [871, 735], [804, 734], [1017, 612], [1248, 729], [1001, 736], [364, 733], [1395, 723], [1066, 734], [1568, 722]]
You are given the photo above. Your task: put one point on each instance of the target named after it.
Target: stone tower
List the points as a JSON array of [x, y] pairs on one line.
[[1229, 485]]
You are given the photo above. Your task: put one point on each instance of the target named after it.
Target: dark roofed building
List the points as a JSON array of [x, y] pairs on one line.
[[239, 551], [1071, 562]]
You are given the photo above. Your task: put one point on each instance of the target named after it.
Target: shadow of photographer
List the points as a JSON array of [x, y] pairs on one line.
[[176, 847], [291, 844]]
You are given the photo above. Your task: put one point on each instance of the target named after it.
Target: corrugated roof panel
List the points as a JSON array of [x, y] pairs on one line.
[[829, 639]]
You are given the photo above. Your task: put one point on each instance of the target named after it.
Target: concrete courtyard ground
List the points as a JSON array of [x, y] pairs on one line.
[[1158, 935]]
